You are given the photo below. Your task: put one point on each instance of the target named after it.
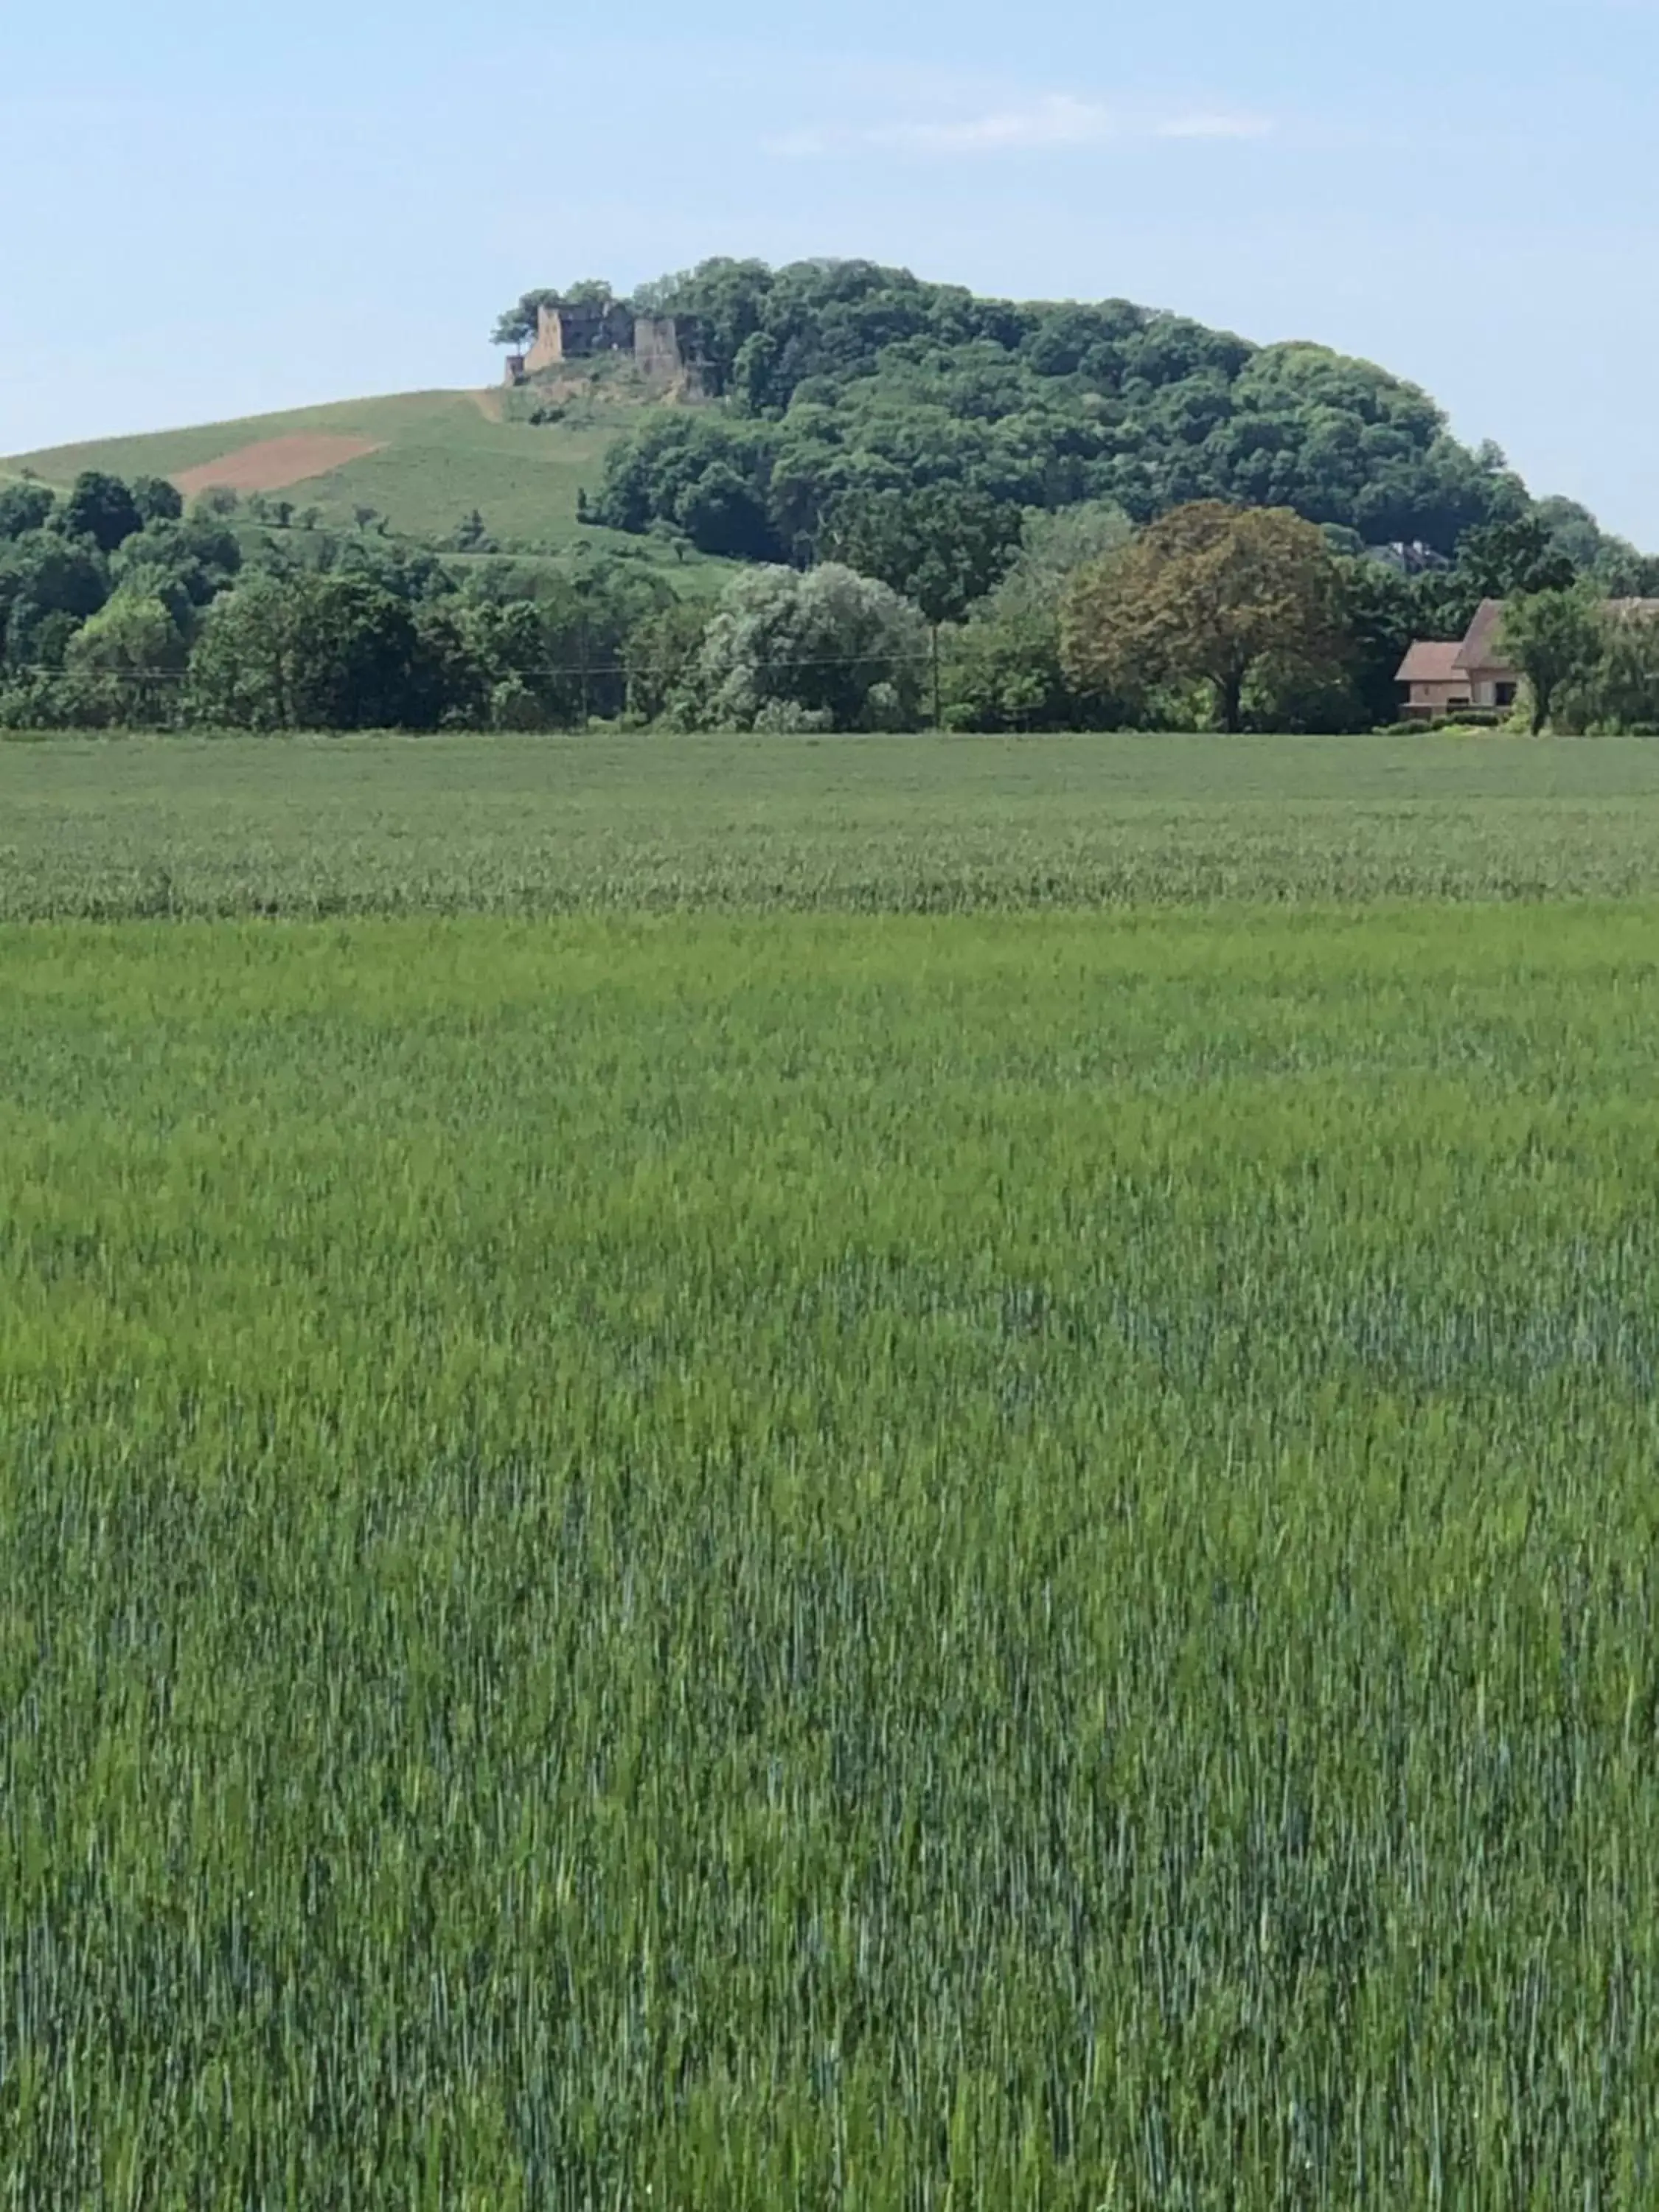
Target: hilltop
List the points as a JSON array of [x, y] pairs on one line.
[[801, 404], [848, 385], [837, 415]]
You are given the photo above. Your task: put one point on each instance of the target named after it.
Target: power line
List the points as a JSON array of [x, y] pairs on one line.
[[624, 669]]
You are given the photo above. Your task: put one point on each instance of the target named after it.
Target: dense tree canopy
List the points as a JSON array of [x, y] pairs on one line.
[[308, 652], [210, 617], [1514, 559], [49, 585], [102, 507], [24, 508], [942, 548], [946, 604], [844, 380]]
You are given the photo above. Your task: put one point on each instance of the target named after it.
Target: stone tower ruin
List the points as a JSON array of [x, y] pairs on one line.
[[666, 349]]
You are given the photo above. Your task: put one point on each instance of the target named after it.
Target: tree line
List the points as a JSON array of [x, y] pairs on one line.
[[1228, 618], [118, 608]]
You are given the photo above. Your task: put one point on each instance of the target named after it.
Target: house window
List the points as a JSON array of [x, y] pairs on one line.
[[1505, 694]]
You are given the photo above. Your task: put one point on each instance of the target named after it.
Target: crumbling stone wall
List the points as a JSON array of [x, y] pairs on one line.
[[578, 333], [667, 349], [657, 348]]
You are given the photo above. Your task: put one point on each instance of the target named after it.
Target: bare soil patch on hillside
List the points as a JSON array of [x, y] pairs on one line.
[[276, 463]]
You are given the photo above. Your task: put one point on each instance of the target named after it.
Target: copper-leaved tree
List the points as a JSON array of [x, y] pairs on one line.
[[1209, 593]]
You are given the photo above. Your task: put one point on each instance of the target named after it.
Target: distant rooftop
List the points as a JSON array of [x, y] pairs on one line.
[[1432, 660]]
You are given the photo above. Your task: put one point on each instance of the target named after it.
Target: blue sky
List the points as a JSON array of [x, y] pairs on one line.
[[210, 212]]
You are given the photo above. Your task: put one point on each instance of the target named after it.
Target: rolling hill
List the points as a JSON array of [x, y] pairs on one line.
[[849, 389], [424, 460]]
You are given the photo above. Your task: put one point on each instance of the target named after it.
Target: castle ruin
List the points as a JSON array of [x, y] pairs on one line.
[[666, 349]]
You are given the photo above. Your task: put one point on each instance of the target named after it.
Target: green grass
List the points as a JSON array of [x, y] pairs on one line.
[[238, 826], [889, 1473], [780, 1560], [441, 456]]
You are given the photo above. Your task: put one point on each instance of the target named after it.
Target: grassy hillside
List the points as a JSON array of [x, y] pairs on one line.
[[440, 455]]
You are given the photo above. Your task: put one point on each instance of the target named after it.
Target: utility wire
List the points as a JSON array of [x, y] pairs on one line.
[[592, 670]]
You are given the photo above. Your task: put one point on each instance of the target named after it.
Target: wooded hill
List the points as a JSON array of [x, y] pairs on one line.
[[845, 380]]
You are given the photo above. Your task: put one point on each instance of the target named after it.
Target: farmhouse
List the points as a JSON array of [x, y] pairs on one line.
[[1439, 676], [1432, 675]]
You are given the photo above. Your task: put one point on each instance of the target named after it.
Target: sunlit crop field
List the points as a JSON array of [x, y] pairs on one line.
[[228, 827], [811, 1559]]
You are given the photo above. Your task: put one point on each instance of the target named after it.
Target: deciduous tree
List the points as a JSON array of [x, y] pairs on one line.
[[24, 508], [941, 547], [296, 653], [828, 650], [133, 635], [1514, 559], [100, 507], [1555, 638], [156, 499], [1625, 688], [1213, 594], [48, 587]]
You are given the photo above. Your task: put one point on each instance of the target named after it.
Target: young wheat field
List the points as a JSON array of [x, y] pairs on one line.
[[224, 827], [766, 1555]]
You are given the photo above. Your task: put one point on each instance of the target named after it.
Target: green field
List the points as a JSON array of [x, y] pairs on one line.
[[227, 826], [443, 454], [786, 1552]]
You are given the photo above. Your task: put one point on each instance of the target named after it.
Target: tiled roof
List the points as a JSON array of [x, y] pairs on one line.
[[1431, 661], [1483, 647]]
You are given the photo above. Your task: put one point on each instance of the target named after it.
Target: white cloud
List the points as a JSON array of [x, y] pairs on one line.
[[1214, 124], [1058, 121], [803, 145]]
